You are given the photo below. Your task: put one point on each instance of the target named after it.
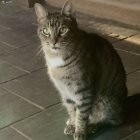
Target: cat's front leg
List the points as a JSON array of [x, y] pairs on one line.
[[70, 124], [82, 116]]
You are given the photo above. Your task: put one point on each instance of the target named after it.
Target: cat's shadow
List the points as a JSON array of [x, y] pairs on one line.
[[131, 124]]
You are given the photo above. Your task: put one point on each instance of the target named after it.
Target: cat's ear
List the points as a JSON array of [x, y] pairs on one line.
[[67, 8], [41, 12]]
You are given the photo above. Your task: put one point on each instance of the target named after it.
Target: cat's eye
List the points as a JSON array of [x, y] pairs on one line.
[[46, 32], [63, 30]]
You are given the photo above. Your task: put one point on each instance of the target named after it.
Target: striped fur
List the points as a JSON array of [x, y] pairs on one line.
[[85, 69]]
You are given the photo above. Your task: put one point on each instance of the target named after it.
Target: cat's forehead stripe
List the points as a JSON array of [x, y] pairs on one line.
[[54, 23]]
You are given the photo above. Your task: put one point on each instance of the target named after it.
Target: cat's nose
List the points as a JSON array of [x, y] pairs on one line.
[[54, 41]]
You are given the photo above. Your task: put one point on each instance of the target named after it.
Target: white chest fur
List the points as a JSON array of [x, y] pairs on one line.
[[55, 62], [66, 92]]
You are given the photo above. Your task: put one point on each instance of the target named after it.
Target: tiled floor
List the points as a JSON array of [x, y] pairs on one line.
[[30, 107]]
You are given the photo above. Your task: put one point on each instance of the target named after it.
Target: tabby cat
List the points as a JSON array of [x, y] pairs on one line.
[[85, 69]]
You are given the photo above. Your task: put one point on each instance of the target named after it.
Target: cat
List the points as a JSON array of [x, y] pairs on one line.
[[85, 69]]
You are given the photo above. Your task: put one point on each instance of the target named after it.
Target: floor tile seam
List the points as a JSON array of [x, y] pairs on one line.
[[130, 52], [17, 67], [21, 133], [17, 77], [131, 134], [25, 99], [32, 115], [24, 75], [132, 72], [5, 27], [123, 39]]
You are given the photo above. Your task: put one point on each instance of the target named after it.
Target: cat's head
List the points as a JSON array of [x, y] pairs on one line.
[[56, 30]]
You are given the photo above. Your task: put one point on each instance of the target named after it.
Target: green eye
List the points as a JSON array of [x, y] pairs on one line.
[[63, 30], [46, 32]]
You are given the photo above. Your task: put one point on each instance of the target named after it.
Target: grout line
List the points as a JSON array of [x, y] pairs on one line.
[[133, 71], [14, 78], [23, 75], [121, 50], [5, 27], [17, 67], [130, 52], [135, 132], [123, 39], [52, 105], [38, 106], [32, 115], [21, 133], [21, 119]]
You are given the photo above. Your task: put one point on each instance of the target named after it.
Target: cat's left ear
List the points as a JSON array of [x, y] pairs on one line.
[[67, 8], [41, 12]]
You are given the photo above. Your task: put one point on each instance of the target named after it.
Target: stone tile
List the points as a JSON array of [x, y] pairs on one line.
[[131, 44], [9, 72], [35, 87], [10, 134], [130, 61], [27, 57], [47, 125], [13, 108], [133, 83]]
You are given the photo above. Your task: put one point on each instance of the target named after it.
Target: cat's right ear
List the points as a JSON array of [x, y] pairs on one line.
[[41, 12], [67, 8]]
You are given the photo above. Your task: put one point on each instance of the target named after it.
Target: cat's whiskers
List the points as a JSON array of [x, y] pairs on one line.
[[39, 50]]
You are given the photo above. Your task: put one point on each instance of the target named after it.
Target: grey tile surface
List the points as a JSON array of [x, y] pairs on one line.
[[10, 134], [27, 58], [8, 71], [13, 108], [130, 61], [36, 87], [133, 83], [47, 125]]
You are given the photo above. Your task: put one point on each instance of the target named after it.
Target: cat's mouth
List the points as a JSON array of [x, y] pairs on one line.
[[55, 49]]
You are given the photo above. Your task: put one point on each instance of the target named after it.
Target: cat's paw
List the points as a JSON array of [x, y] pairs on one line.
[[69, 130], [79, 136]]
